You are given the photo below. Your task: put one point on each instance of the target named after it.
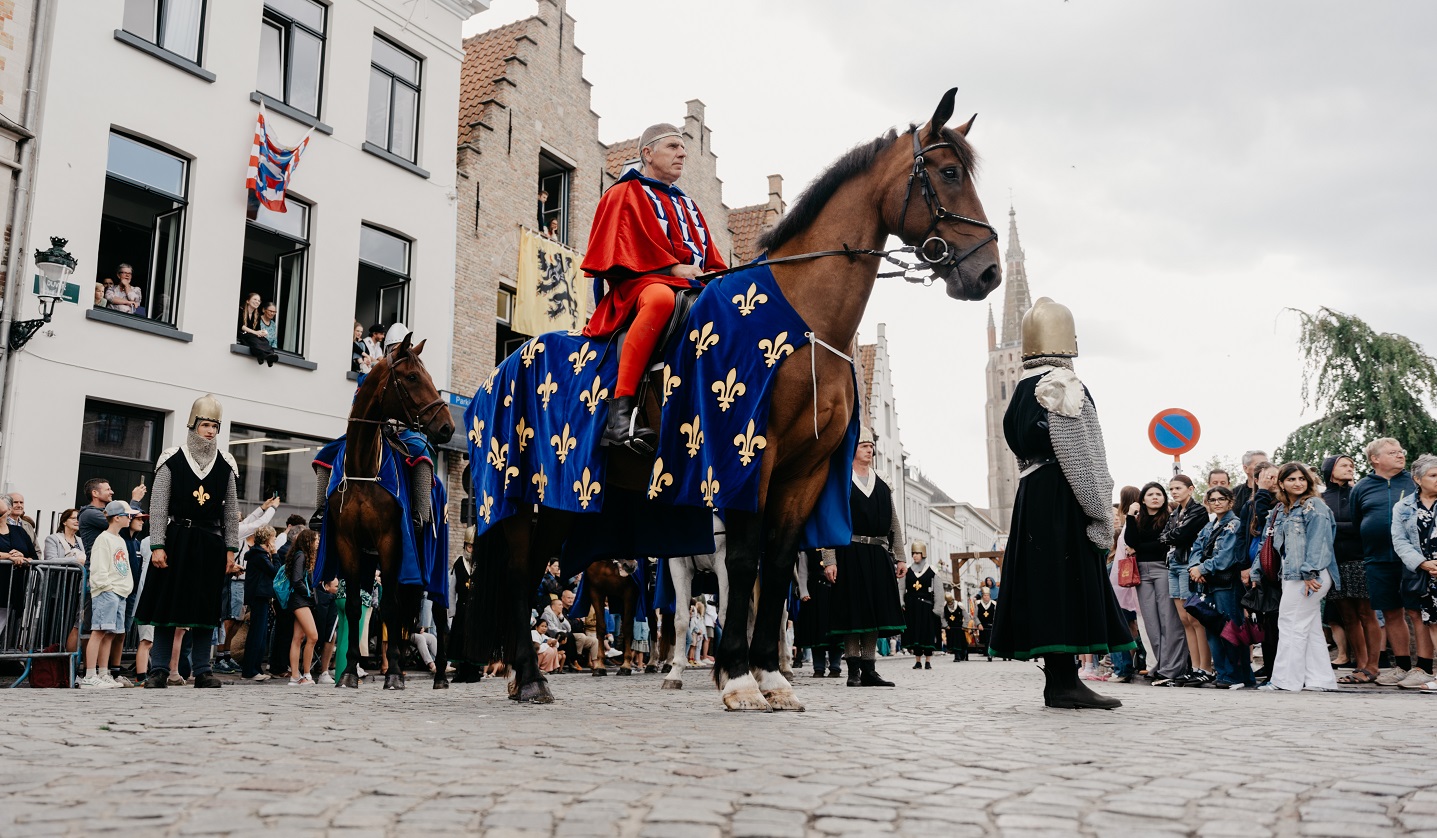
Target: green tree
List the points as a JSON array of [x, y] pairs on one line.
[[1214, 463], [1365, 384]]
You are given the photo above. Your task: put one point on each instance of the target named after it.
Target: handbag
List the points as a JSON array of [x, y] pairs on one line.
[[1204, 611], [1128, 574], [1262, 599], [1267, 556]]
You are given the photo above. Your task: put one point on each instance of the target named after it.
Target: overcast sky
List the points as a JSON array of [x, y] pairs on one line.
[[1181, 173]]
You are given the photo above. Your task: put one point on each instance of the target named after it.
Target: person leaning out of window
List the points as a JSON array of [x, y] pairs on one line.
[[1414, 539], [123, 296], [1302, 531], [252, 332]]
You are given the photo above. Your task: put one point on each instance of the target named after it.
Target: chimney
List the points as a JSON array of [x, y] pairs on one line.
[[775, 194], [696, 110]]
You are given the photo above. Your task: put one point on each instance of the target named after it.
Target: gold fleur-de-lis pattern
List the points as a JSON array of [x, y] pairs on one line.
[[704, 339], [541, 480], [749, 300], [774, 349], [671, 381], [581, 356], [709, 488], [694, 435], [660, 479], [728, 389], [509, 399], [563, 443], [476, 433], [547, 388], [498, 454], [510, 473], [586, 488], [591, 397], [522, 434], [749, 444], [201, 496], [486, 507], [529, 351]]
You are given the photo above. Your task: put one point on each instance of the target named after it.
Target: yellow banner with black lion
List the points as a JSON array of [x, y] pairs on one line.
[[551, 294]]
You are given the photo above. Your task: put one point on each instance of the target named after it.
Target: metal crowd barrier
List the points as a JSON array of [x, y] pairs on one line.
[[44, 601]]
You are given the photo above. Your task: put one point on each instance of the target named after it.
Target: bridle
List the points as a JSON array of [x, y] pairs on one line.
[[935, 251], [413, 420]]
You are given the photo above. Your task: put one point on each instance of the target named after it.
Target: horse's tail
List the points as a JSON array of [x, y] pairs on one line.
[[491, 627]]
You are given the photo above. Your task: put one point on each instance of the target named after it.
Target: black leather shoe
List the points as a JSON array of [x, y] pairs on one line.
[[155, 679], [868, 675], [928, 664], [316, 521], [617, 431], [918, 664], [854, 676], [208, 681]]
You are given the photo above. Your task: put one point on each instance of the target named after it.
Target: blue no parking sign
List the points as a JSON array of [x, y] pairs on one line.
[[1174, 431]]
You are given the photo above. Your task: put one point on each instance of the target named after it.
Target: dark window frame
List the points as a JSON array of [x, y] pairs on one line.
[[302, 247], [181, 205], [158, 42], [394, 80], [405, 278], [288, 24], [556, 172]]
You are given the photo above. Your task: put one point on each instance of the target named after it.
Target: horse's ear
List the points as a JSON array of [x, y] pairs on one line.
[[418, 348], [942, 115], [968, 125], [406, 344]]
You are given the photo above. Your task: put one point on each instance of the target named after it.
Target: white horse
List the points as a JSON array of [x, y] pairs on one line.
[[682, 570]]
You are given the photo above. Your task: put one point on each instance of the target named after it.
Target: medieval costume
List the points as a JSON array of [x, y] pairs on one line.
[[921, 611], [813, 620], [986, 610], [463, 647], [865, 593], [957, 638], [1058, 602], [194, 514], [643, 228]]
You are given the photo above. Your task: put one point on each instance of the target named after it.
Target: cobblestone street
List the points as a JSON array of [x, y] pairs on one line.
[[965, 749]]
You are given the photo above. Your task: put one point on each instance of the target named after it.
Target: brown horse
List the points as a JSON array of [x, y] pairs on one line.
[[916, 185], [604, 583], [364, 529]]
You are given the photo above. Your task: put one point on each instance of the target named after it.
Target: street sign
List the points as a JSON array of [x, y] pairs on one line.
[[1174, 431]]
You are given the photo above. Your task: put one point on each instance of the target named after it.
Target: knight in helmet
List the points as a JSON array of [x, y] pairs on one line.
[[1057, 601], [922, 608], [194, 535], [648, 240]]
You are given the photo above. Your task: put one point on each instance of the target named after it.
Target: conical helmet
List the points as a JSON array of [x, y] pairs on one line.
[[206, 407], [1048, 330], [920, 548], [469, 536]]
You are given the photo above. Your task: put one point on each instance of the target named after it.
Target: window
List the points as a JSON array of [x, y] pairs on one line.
[[554, 189], [504, 309], [119, 444], [393, 100], [142, 227], [382, 295], [269, 463], [276, 247], [175, 26], [291, 52]]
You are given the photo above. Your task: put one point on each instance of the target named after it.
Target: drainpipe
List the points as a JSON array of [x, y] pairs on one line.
[[18, 259]]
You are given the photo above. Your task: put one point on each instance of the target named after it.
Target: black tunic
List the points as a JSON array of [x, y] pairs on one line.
[[187, 591], [812, 625], [865, 597], [1056, 594], [462, 645], [921, 634]]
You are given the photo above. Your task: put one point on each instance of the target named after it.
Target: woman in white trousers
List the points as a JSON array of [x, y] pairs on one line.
[[1303, 531]]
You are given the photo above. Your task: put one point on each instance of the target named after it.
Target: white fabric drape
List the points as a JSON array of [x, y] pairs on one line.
[[182, 27]]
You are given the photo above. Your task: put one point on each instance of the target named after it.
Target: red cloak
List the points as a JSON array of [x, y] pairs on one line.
[[629, 235]]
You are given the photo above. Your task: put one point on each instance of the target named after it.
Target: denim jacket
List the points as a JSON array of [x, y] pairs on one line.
[[1303, 537], [1405, 539], [1225, 555]]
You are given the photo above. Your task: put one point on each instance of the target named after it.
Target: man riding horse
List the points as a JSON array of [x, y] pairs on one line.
[[648, 240]]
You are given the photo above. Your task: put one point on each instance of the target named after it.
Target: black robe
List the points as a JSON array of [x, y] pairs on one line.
[[1056, 594], [814, 620], [462, 644], [865, 597], [187, 591], [921, 634]]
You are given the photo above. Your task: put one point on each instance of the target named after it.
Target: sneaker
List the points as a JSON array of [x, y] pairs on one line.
[[1240, 686], [1223, 685], [294, 682], [121, 681], [1163, 682], [1199, 678], [326, 679], [95, 682], [1415, 678], [1392, 677], [306, 681], [259, 677], [175, 680], [1180, 681], [227, 666], [359, 670], [1269, 687]]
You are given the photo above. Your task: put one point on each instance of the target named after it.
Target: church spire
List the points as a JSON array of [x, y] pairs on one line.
[[992, 330], [1016, 299]]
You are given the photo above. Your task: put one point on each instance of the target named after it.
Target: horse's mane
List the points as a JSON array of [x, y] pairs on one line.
[[854, 162]]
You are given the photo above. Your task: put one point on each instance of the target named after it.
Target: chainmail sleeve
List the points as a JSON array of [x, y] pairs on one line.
[[321, 483], [1078, 446], [232, 514], [896, 545], [160, 506], [421, 484]]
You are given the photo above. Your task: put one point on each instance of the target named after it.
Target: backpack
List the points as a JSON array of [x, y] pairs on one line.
[[282, 586]]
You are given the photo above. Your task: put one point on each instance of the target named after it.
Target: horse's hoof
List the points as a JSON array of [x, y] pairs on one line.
[[668, 667], [599, 673], [782, 699], [787, 674], [650, 669], [625, 671], [750, 699], [441, 684], [393, 681], [348, 679], [672, 684], [536, 692]]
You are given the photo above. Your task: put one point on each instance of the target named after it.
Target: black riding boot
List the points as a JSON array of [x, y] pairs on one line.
[[316, 521], [854, 672], [621, 421], [1065, 691], [869, 675]]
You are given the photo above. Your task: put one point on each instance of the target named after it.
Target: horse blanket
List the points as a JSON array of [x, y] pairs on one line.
[[426, 548], [534, 427]]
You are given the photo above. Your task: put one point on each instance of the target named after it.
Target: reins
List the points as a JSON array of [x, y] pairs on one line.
[[389, 426]]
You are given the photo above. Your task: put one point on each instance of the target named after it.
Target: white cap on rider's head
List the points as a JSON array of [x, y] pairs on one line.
[[396, 335]]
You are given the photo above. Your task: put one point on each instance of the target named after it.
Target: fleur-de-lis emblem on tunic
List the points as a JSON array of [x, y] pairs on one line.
[[509, 399], [542, 481], [509, 473], [498, 454], [201, 495], [703, 339], [486, 507], [489, 382], [547, 389], [749, 300], [582, 356], [748, 444], [592, 396], [586, 489], [774, 350], [695, 436], [660, 479], [530, 349], [476, 434], [671, 381], [709, 487], [563, 443], [728, 390], [522, 434]]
